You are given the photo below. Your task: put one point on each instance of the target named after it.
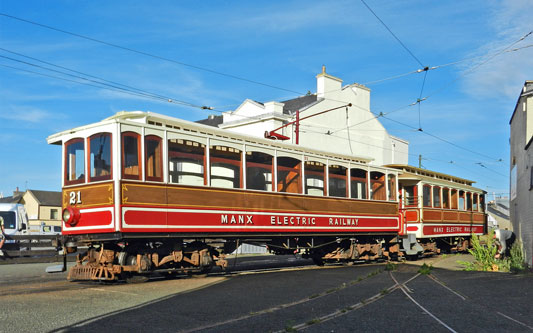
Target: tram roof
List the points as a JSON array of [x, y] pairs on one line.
[[411, 172], [167, 122]]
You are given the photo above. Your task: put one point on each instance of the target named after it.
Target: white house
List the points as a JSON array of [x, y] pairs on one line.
[[351, 130]]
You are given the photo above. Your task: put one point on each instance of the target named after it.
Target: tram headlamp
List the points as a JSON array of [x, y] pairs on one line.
[[71, 215]]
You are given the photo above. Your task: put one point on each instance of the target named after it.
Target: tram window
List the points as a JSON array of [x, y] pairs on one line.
[[131, 161], [461, 200], [153, 160], [475, 202], [446, 198], [358, 184], [455, 199], [482, 203], [377, 186], [100, 156], [410, 196], [314, 178], [258, 171], [436, 196], [337, 181], [186, 162], [289, 173], [392, 187], [75, 162], [468, 201], [426, 196], [225, 167]]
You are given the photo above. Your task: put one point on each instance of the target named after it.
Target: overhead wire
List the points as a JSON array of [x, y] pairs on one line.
[[148, 54], [425, 69], [392, 33]]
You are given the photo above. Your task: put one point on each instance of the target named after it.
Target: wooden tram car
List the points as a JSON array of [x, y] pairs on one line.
[[149, 193]]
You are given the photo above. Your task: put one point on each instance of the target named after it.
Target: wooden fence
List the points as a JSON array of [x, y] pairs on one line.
[[30, 249]]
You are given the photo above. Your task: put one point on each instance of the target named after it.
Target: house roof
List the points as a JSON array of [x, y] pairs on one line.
[[212, 120], [298, 103], [527, 89], [11, 199], [47, 198]]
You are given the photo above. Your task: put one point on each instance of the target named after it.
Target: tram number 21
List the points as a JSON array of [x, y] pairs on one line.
[[75, 197]]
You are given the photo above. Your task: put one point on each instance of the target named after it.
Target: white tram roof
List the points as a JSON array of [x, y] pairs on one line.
[[157, 120], [409, 172]]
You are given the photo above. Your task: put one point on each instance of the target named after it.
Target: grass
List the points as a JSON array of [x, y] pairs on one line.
[[391, 266], [425, 269], [313, 321]]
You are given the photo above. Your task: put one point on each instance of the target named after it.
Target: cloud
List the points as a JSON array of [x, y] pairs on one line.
[[24, 113], [504, 74]]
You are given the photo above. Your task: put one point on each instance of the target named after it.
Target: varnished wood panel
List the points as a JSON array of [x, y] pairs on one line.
[[90, 195], [215, 198]]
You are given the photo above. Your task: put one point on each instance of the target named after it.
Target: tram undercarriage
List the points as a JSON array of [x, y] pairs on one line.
[[136, 260]]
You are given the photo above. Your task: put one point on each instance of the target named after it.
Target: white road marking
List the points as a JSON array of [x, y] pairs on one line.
[[516, 321]]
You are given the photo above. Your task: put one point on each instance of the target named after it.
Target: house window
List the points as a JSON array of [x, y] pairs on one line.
[[531, 179], [53, 214]]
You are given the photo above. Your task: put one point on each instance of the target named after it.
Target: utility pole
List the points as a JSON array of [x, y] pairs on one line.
[[420, 161]]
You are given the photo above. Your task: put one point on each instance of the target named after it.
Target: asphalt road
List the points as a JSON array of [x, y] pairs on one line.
[[271, 297]]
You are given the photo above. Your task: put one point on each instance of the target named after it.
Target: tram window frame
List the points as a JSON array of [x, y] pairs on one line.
[[436, 197], [391, 179], [469, 201], [359, 180], [410, 197], [158, 160], [378, 190], [315, 173], [184, 152], [78, 178], [256, 178], [220, 157], [90, 163], [426, 196], [454, 199], [482, 202], [125, 158], [445, 198], [286, 165], [462, 201], [337, 176], [475, 202]]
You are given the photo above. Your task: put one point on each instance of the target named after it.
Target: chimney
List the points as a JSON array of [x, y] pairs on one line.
[[326, 83], [274, 107]]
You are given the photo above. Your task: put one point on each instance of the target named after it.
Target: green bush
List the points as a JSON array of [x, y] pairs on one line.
[[484, 256]]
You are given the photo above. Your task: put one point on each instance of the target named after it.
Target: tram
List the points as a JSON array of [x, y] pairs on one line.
[[147, 193]]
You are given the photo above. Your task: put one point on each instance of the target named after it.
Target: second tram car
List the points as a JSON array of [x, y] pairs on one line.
[[146, 193]]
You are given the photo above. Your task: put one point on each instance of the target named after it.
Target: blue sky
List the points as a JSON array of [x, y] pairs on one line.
[[278, 43]]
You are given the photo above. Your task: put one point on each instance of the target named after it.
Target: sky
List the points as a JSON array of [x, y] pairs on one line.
[[219, 53]]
